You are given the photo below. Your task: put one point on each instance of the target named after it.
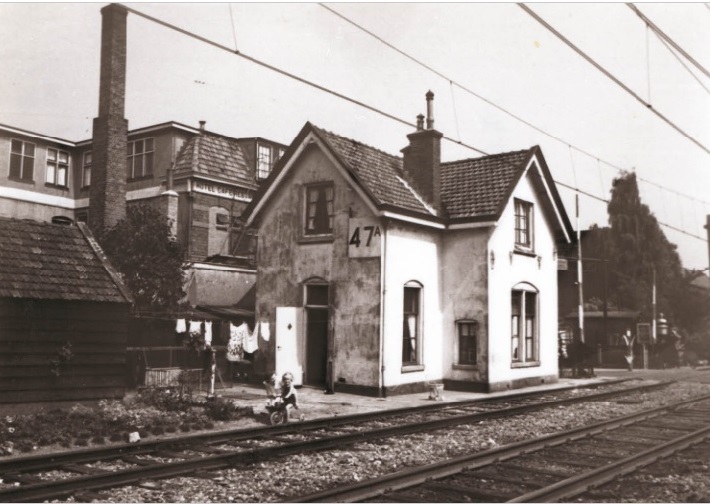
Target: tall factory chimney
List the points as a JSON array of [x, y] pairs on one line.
[[107, 195]]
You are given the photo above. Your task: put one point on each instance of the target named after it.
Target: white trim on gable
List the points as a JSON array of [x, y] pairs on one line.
[[310, 139], [534, 160], [414, 220], [473, 225]]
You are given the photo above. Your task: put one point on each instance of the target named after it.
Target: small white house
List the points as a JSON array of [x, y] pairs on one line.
[[380, 274]]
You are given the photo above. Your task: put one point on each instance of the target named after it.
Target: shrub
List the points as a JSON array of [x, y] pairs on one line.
[[166, 399], [220, 409]]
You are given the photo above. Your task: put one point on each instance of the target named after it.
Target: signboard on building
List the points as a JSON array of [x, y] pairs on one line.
[[364, 237], [643, 330], [221, 190]]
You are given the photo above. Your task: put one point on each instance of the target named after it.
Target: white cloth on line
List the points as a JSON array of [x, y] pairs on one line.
[[251, 341], [264, 330], [208, 334], [195, 327], [180, 327]]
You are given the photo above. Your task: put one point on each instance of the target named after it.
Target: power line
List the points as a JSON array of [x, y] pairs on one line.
[[334, 93], [670, 50], [665, 37], [616, 81], [489, 102], [285, 73]]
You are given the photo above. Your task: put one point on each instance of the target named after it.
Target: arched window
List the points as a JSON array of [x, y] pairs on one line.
[[524, 323], [412, 324]]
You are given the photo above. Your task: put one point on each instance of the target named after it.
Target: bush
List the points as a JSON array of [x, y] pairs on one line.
[[220, 409], [166, 399]]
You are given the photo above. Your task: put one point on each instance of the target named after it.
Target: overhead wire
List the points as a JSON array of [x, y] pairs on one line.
[[285, 73], [489, 102], [670, 50], [337, 94], [614, 79], [665, 37]]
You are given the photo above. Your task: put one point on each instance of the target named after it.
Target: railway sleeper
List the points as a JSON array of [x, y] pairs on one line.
[[472, 492], [534, 470], [82, 469], [489, 473]]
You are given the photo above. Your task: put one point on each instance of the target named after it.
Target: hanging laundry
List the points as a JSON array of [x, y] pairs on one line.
[[208, 334], [264, 330], [235, 350], [195, 327], [180, 327], [251, 340]]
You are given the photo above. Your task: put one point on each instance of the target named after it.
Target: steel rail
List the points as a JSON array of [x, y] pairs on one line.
[[38, 462], [372, 488], [577, 484], [51, 489]]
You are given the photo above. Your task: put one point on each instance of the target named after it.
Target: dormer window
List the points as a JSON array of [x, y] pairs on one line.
[[523, 225], [319, 209]]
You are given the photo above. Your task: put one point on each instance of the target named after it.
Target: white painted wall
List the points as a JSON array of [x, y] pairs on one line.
[[510, 269], [412, 253]]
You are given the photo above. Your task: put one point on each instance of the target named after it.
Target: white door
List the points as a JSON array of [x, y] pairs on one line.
[[289, 342]]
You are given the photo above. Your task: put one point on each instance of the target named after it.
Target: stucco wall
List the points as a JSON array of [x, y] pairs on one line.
[[510, 268], [218, 286], [465, 296], [286, 261], [412, 254]]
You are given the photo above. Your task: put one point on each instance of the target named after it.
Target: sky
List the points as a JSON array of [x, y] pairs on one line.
[[502, 82]]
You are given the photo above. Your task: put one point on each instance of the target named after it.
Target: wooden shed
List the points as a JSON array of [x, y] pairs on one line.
[[63, 315]]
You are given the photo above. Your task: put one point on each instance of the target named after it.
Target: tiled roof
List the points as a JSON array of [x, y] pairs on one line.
[[381, 173], [478, 187], [51, 261], [215, 156]]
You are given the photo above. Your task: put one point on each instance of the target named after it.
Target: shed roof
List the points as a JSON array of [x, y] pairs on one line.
[[39, 260]]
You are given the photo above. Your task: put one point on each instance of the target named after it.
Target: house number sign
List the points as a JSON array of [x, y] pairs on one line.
[[364, 237]]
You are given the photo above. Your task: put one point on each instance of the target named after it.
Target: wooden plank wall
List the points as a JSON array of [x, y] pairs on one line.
[[32, 334]]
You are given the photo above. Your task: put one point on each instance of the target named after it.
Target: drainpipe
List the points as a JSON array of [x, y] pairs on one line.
[[383, 291]]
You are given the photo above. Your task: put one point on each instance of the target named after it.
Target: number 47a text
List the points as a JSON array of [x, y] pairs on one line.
[[371, 231]]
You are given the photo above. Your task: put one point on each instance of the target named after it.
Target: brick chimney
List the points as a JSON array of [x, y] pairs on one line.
[[422, 158], [107, 203]]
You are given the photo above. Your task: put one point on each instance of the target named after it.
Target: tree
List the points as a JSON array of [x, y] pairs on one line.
[[148, 257], [635, 246]]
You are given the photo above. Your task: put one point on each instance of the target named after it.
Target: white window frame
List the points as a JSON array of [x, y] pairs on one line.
[[417, 326], [524, 230], [264, 160], [526, 345], [86, 168], [309, 220], [55, 167], [23, 156]]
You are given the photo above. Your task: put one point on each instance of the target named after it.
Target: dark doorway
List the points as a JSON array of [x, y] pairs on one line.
[[316, 346]]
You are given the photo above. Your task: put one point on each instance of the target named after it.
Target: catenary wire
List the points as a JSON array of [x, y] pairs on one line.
[[670, 50], [616, 81], [287, 74], [498, 107], [664, 36], [339, 95]]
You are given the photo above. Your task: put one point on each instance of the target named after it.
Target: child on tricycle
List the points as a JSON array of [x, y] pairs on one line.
[[280, 406]]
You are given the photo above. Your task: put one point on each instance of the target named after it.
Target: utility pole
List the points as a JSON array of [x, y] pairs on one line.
[[707, 226], [653, 322], [580, 314]]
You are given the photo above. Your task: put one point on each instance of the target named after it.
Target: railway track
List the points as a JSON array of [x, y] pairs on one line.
[[550, 468], [36, 478]]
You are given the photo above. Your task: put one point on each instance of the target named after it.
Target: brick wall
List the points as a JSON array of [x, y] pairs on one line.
[[110, 130]]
